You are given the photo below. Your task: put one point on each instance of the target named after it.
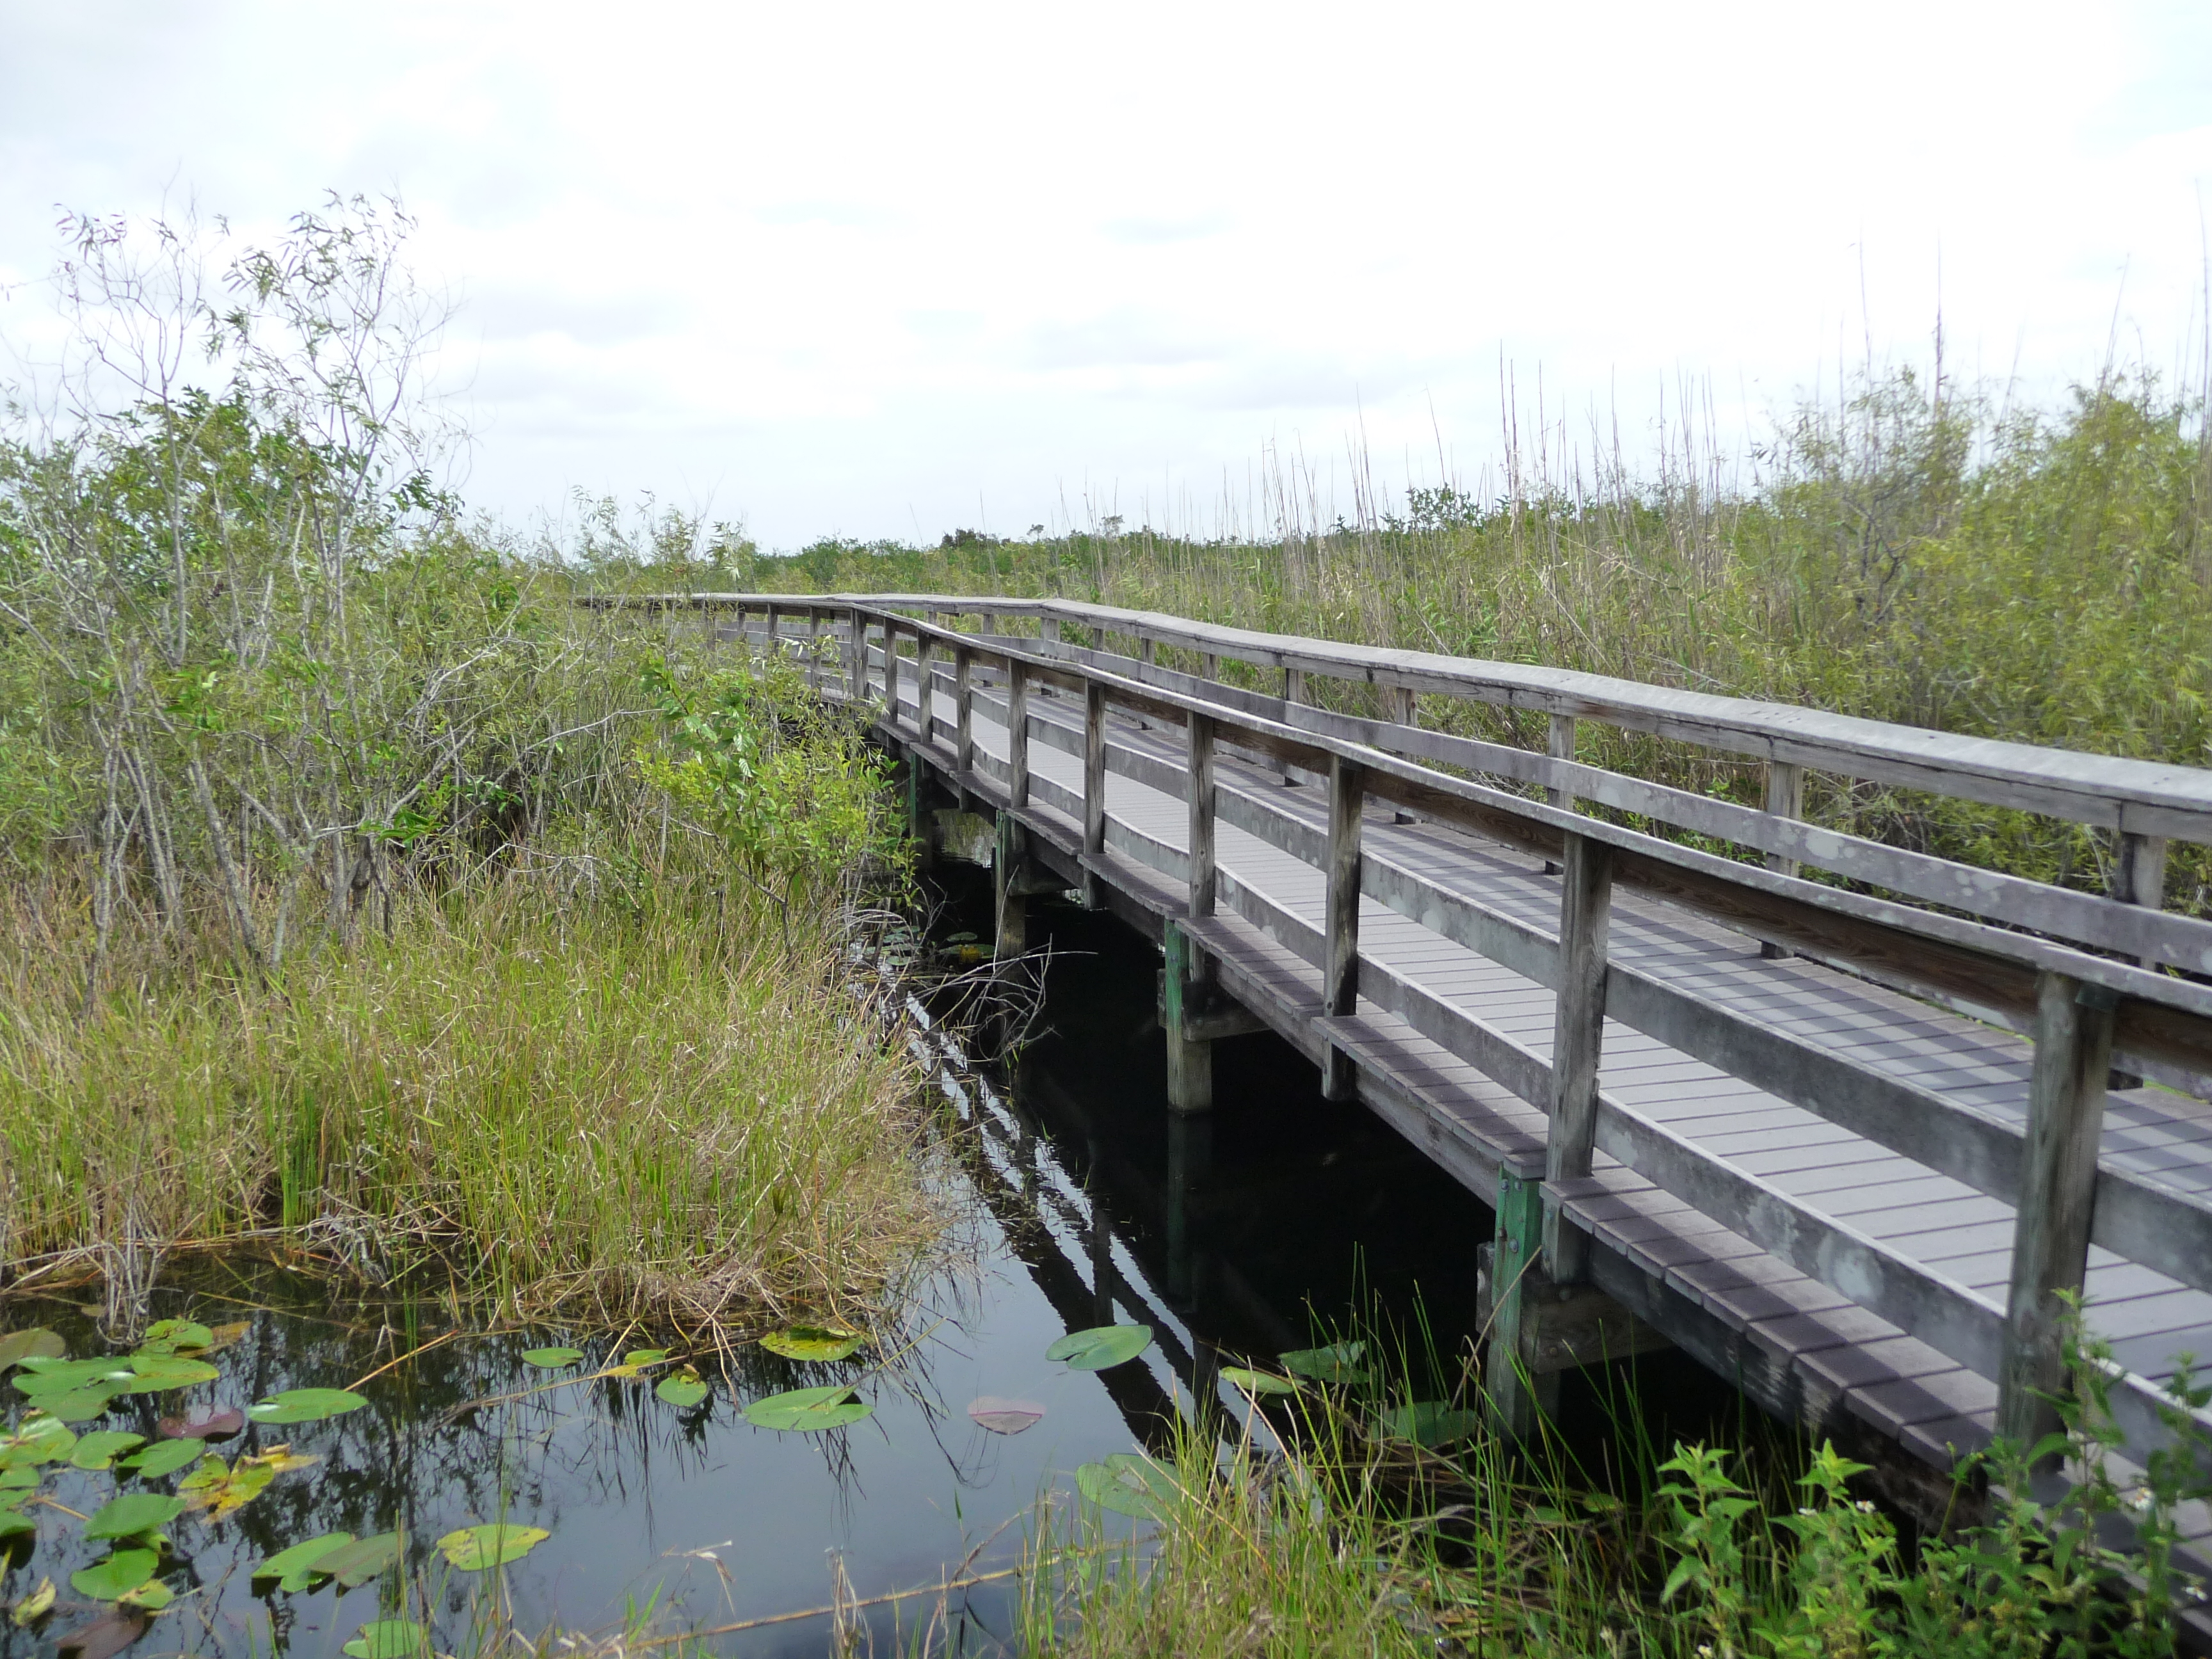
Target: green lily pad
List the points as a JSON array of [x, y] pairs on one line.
[[1429, 1423], [1338, 1362], [814, 1342], [293, 1569], [551, 1360], [1129, 1485], [388, 1639], [478, 1549], [79, 1404], [354, 1565], [38, 1379], [117, 1577], [98, 1450], [158, 1373], [174, 1335], [219, 1490], [10, 1479], [1102, 1346], [1257, 1383], [165, 1458], [36, 1343], [14, 1524], [306, 1406], [808, 1411], [131, 1513], [37, 1439], [685, 1390], [153, 1596]]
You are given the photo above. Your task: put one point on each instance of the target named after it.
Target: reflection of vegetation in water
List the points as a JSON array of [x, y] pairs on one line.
[[436, 1464]]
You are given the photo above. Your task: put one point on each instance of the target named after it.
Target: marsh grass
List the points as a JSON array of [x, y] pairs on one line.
[[1914, 552], [667, 1100]]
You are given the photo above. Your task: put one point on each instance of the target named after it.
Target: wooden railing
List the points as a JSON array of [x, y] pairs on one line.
[[2087, 976]]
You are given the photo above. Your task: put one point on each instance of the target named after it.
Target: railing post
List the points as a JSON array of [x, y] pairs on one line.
[[1404, 711], [963, 703], [990, 622], [814, 648], [1049, 629], [1204, 877], [1213, 666], [1785, 799], [925, 701], [1183, 991], [1098, 638], [1094, 784], [2138, 878], [851, 658], [891, 673], [1559, 744], [1340, 985], [1578, 1041], [1017, 733], [1146, 649], [2057, 1193]]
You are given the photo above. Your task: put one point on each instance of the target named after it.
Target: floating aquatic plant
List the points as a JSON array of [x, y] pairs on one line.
[[1102, 1346], [808, 1411]]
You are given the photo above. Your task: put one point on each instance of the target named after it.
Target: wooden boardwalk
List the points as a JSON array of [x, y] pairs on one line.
[[1845, 1140]]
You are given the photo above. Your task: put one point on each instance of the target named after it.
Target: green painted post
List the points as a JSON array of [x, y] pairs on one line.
[[1190, 1064], [1517, 1282]]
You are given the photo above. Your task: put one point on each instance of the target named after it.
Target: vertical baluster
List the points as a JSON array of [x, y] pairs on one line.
[[1094, 784], [1204, 877], [964, 704], [1561, 745], [891, 673], [1017, 733], [925, 704], [1097, 639], [1785, 799], [2058, 1191], [1340, 918], [1577, 1039], [1213, 666], [813, 648], [1146, 651], [1403, 709]]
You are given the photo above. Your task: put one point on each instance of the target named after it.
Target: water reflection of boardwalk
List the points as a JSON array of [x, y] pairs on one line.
[[1834, 1117]]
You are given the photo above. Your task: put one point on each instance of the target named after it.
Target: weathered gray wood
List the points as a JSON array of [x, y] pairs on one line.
[[1212, 666], [2058, 1187], [1785, 799], [1404, 708], [1578, 1036], [1094, 784], [925, 691], [964, 700], [1561, 745], [1017, 733], [1341, 913], [1198, 783]]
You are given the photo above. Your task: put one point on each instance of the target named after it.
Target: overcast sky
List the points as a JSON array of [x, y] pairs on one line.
[[889, 270]]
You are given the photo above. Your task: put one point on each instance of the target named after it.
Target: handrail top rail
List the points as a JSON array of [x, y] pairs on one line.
[[2115, 793]]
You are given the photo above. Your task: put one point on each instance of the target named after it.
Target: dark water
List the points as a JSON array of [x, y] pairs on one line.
[[1234, 1236]]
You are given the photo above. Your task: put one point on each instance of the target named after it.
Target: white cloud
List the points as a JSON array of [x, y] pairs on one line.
[[854, 267]]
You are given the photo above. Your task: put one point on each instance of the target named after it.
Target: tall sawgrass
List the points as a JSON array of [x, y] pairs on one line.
[[1912, 552]]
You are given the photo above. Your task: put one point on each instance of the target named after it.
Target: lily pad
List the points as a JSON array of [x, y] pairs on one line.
[[37, 1439], [685, 1390], [1128, 1484], [815, 1342], [217, 1425], [1005, 1416], [1429, 1423], [131, 1513], [225, 1336], [388, 1639], [14, 1524], [99, 1450], [219, 1489], [1102, 1346], [478, 1549], [79, 1404], [34, 1606], [645, 1356], [1257, 1383], [152, 1595], [165, 1458], [1337, 1363], [158, 1373], [36, 1343], [12, 1480], [117, 1577], [105, 1636], [808, 1411], [551, 1360], [38, 1379], [354, 1565], [293, 1569], [306, 1406], [175, 1336]]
